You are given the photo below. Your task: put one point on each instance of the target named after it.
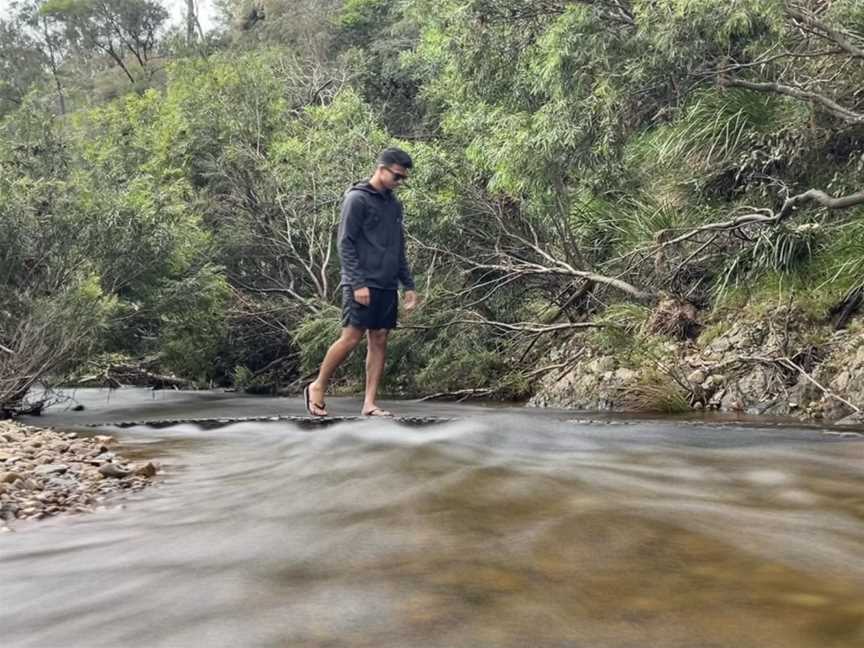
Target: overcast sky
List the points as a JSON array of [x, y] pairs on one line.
[[206, 12], [177, 9]]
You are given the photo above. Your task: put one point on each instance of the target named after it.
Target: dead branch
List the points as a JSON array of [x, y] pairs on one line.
[[829, 105], [459, 395], [514, 266], [546, 369], [824, 31], [115, 375], [785, 362], [767, 216], [528, 327]]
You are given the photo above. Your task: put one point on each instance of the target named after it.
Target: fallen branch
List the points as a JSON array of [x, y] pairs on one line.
[[114, 376], [459, 395], [788, 363], [528, 327], [514, 267]]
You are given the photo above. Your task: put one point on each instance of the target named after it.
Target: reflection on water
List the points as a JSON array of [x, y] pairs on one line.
[[495, 531]]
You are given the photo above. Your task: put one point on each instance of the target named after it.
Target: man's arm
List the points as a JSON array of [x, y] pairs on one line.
[[350, 229], [405, 277]]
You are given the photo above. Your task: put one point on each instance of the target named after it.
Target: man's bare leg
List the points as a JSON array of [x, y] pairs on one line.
[[335, 356], [375, 355]]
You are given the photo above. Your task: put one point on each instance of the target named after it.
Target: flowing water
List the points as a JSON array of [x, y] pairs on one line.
[[497, 530]]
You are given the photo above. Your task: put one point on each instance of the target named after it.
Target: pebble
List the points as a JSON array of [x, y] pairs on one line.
[[113, 470], [44, 473], [51, 469]]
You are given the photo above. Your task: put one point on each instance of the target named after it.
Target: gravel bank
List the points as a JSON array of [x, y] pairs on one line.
[[44, 473]]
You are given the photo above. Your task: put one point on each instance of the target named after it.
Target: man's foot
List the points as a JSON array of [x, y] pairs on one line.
[[314, 398], [377, 411]]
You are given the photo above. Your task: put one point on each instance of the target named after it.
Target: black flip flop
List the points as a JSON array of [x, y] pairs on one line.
[[384, 413], [308, 402]]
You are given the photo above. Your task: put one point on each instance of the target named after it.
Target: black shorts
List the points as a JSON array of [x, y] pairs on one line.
[[379, 314]]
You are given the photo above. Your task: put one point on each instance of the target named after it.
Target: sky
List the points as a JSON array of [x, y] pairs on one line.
[[177, 9]]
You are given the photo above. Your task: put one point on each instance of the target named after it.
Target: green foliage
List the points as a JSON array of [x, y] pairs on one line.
[[362, 17], [629, 318], [195, 211], [785, 249], [656, 392], [842, 261], [193, 322], [460, 362], [716, 128], [315, 333], [712, 332]]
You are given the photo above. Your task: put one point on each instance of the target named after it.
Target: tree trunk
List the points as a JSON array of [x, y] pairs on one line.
[[190, 22]]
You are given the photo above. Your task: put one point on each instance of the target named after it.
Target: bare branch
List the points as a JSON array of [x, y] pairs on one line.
[[530, 327], [825, 31], [789, 205], [787, 363], [829, 105]]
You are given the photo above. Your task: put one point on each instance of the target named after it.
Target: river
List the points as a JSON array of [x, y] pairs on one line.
[[503, 528]]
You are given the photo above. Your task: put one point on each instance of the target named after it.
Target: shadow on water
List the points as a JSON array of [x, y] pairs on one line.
[[496, 530]]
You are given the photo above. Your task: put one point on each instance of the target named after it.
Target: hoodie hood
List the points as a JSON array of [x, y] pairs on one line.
[[366, 186]]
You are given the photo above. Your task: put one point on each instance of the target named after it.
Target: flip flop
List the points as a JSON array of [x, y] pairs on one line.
[[309, 404], [377, 411]]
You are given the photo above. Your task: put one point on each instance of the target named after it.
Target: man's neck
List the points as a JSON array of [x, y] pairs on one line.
[[376, 183]]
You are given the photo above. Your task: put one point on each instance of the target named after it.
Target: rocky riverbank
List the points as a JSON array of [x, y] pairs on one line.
[[44, 473], [781, 364]]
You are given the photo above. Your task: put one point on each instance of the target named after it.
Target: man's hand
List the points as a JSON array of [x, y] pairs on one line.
[[410, 300], [361, 296]]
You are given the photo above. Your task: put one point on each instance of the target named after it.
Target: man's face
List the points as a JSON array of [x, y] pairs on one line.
[[393, 175]]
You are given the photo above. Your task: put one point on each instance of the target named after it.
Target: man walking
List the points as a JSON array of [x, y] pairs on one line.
[[372, 253]]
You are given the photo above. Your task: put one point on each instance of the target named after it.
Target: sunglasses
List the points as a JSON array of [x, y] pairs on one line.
[[399, 177]]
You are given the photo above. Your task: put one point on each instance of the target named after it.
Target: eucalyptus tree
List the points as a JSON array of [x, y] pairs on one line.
[[31, 52], [565, 108], [22, 65], [124, 31]]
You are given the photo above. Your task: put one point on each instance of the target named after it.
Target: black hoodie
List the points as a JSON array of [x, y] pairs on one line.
[[372, 240]]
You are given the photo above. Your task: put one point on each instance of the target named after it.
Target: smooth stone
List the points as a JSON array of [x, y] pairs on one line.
[[112, 470], [51, 469]]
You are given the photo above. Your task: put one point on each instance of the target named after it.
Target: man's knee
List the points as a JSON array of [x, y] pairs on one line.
[[378, 337], [351, 335]]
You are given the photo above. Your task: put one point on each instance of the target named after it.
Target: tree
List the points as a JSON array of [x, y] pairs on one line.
[[118, 29]]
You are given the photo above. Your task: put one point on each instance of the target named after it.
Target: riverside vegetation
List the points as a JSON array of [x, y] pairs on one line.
[[653, 204]]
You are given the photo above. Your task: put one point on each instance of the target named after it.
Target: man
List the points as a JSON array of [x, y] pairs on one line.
[[372, 253]]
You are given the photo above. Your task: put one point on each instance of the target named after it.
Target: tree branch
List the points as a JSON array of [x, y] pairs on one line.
[[789, 205], [828, 33], [829, 105]]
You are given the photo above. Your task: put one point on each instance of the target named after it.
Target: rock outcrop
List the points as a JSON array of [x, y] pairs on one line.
[[780, 365]]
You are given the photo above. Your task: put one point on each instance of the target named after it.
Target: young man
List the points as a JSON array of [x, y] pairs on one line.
[[372, 253]]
